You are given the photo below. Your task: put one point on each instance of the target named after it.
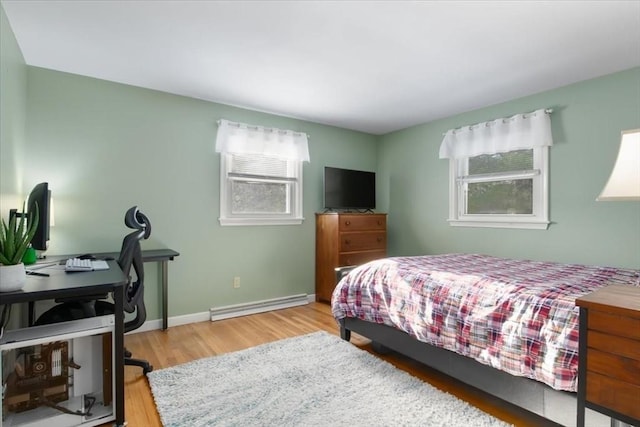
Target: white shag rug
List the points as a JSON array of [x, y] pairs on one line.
[[311, 380]]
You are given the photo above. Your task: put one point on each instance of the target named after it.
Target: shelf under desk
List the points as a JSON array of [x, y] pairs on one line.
[[60, 284]]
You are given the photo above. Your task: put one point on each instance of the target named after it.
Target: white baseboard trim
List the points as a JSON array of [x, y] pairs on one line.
[[230, 311], [151, 325], [237, 310]]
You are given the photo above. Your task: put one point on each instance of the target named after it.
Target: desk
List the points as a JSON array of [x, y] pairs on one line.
[[163, 256], [60, 284]]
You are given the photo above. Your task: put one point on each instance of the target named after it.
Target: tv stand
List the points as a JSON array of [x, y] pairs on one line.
[[346, 238]]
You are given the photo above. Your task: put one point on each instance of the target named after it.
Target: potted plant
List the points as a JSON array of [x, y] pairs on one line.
[[15, 238]]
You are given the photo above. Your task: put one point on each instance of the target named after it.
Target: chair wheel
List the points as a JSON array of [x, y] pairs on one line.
[[147, 369]]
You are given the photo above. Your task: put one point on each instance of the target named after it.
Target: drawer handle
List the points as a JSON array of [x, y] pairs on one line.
[[347, 223], [347, 242], [379, 239]]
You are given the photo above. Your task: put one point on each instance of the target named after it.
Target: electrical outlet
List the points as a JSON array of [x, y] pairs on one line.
[[236, 282]]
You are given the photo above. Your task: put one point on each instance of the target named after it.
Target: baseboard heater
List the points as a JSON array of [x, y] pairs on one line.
[[237, 310]]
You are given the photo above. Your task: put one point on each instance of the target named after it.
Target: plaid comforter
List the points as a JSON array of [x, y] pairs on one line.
[[517, 316]]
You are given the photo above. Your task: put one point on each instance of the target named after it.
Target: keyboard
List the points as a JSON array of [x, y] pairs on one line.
[[77, 264]]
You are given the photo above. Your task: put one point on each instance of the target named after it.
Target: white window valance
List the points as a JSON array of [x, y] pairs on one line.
[[241, 138], [519, 132]]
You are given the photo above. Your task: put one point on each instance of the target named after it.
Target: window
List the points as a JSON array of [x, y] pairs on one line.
[[499, 178], [257, 189], [500, 190], [260, 175]]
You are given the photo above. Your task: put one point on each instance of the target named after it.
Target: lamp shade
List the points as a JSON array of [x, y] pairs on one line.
[[624, 182]]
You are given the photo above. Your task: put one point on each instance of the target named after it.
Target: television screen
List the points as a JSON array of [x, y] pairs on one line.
[[349, 189]]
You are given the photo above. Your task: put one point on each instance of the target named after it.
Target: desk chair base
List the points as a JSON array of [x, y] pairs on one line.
[[146, 366]]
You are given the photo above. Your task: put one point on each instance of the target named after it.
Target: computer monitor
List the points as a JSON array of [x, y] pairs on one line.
[[40, 196]]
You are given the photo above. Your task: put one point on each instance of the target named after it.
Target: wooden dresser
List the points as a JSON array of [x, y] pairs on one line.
[[346, 239], [609, 367]]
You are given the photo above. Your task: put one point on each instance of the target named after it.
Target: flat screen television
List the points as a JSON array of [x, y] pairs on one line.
[[346, 189]]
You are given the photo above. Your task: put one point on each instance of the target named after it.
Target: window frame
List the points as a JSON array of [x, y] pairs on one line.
[[538, 219], [228, 218]]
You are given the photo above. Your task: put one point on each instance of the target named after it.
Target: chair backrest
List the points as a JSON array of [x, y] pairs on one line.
[[131, 257]]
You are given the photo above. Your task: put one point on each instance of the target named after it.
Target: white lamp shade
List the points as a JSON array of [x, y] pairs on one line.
[[624, 182]]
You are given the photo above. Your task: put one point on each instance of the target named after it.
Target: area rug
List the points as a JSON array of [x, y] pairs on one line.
[[311, 380]]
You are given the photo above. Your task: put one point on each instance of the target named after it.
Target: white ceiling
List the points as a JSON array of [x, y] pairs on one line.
[[372, 66]]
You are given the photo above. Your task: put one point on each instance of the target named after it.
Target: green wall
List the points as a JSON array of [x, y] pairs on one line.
[[104, 147], [586, 122], [13, 95], [13, 91]]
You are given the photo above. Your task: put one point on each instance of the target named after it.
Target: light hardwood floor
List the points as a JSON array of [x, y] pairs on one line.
[[182, 344]]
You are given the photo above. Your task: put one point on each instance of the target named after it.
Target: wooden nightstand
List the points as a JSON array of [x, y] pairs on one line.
[[609, 367]]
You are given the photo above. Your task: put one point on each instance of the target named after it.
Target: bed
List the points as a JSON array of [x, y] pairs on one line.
[[508, 327]]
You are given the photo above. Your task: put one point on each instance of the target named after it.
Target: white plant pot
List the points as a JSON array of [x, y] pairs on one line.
[[12, 277]]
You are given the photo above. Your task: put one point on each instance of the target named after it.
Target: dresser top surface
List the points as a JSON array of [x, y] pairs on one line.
[[350, 213], [619, 299]]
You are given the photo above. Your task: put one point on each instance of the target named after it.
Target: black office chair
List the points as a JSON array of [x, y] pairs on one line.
[[130, 256]]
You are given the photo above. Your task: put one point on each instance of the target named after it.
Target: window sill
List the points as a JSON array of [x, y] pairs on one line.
[[260, 221], [523, 224]]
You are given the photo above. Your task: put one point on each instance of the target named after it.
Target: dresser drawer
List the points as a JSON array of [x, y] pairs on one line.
[[614, 344], [614, 366], [350, 242], [362, 222], [614, 394], [357, 258], [612, 324]]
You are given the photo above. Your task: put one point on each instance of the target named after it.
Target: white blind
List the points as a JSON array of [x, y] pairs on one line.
[[519, 132], [247, 164], [241, 138]]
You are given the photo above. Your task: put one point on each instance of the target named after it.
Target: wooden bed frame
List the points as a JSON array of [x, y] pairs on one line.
[[557, 406]]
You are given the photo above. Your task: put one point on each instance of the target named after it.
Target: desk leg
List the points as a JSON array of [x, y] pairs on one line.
[[32, 313], [165, 293], [118, 299]]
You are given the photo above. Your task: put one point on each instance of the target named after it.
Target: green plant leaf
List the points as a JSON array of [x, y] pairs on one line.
[[16, 236]]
